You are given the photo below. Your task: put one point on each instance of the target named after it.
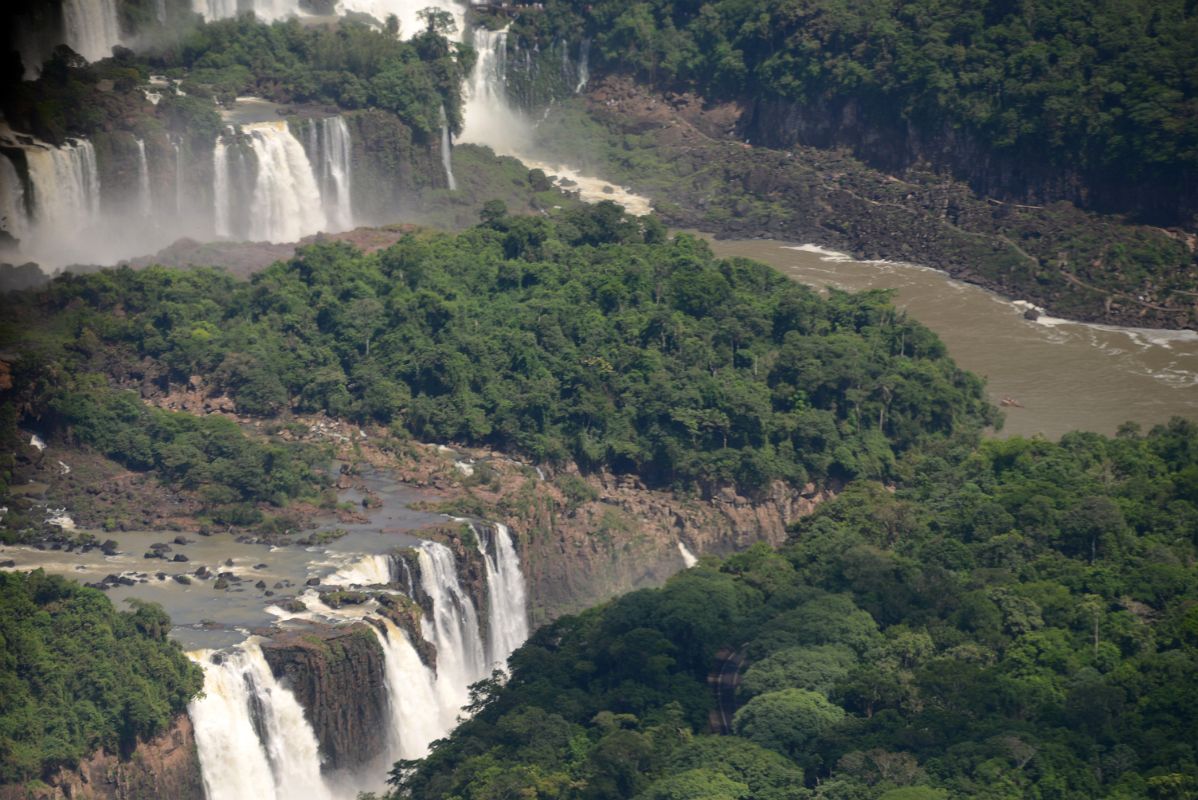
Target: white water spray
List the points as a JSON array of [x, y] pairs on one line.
[[416, 715], [507, 615], [447, 152], [286, 204], [91, 27], [688, 558], [278, 758], [330, 150], [145, 201]]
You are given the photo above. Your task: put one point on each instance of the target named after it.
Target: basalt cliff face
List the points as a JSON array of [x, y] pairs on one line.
[[874, 136], [337, 675], [166, 766], [585, 539]]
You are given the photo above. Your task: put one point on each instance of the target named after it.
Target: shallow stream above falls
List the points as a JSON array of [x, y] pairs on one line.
[[209, 618], [1063, 375]]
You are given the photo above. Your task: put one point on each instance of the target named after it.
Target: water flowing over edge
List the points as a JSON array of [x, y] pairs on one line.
[[253, 738]]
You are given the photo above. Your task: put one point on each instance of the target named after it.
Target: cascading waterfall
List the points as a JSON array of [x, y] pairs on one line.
[[145, 201], [490, 118], [688, 558], [417, 718], [330, 148], [252, 737], [407, 12], [267, 10], [222, 197], [447, 152], [286, 205], [453, 628], [584, 66], [91, 27], [507, 611], [14, 216], [65, 186]]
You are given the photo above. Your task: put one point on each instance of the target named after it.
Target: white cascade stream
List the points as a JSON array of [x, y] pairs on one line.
[[253, 740], [330, 150], [286, 205], [688, 558], [60, 199], [91, 27], [447, 152], [453, 628], [145, 200], [507, 617]]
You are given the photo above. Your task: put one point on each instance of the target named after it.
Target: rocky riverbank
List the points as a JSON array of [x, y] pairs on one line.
[[690, 157]]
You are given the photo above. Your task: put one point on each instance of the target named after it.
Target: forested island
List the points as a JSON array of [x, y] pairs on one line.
[[466, 482]]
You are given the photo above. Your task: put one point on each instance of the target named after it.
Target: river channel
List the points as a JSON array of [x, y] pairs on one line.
[[1063, 375]]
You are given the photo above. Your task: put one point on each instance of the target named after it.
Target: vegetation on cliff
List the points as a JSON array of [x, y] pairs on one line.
[[350, 65], [587, 337], [1100, 90], [1016, 620], [76, 675]]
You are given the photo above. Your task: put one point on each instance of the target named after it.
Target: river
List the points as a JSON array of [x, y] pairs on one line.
[[1065, 375]]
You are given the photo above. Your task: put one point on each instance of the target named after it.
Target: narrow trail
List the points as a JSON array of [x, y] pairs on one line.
[[723, 679]]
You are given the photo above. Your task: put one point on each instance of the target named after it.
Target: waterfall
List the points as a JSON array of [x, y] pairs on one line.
[[179, 181], [507, 615], [266, 10], [286, 205], [447, 152], [330, 148], [584, 67], [145, 201], [417, 718], [253, 740], [66, 186], [14, 215], [91, 27], [490, 119], [688, 558], [453, 628], [363, 570], [222, 198]]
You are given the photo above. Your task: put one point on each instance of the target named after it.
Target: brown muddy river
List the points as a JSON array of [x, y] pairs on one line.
[[1066, 375]]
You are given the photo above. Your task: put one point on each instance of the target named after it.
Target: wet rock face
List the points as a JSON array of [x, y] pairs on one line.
[[337, 675], [166, 766]]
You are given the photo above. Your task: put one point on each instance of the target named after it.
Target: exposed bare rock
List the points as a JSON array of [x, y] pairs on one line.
[[166, 766]]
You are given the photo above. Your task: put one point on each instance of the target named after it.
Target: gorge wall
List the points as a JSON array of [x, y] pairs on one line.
[[1022, 177], [166, 766]]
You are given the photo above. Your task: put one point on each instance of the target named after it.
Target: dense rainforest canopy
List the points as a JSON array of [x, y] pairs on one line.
[[1095, 89], [77, 675], [1019, 620], [589, 337]]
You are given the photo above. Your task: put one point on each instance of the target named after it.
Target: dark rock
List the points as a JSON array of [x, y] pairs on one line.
[[260, 585], [312, 582], [268, 593], [8, 562], [337, 675], [228, 562], [109, 547], [183, 579], [1032, 313], [182, 540], [160, 576], [123, 581], [221, 583], [203, 573], [259, 566], [180, 558]]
